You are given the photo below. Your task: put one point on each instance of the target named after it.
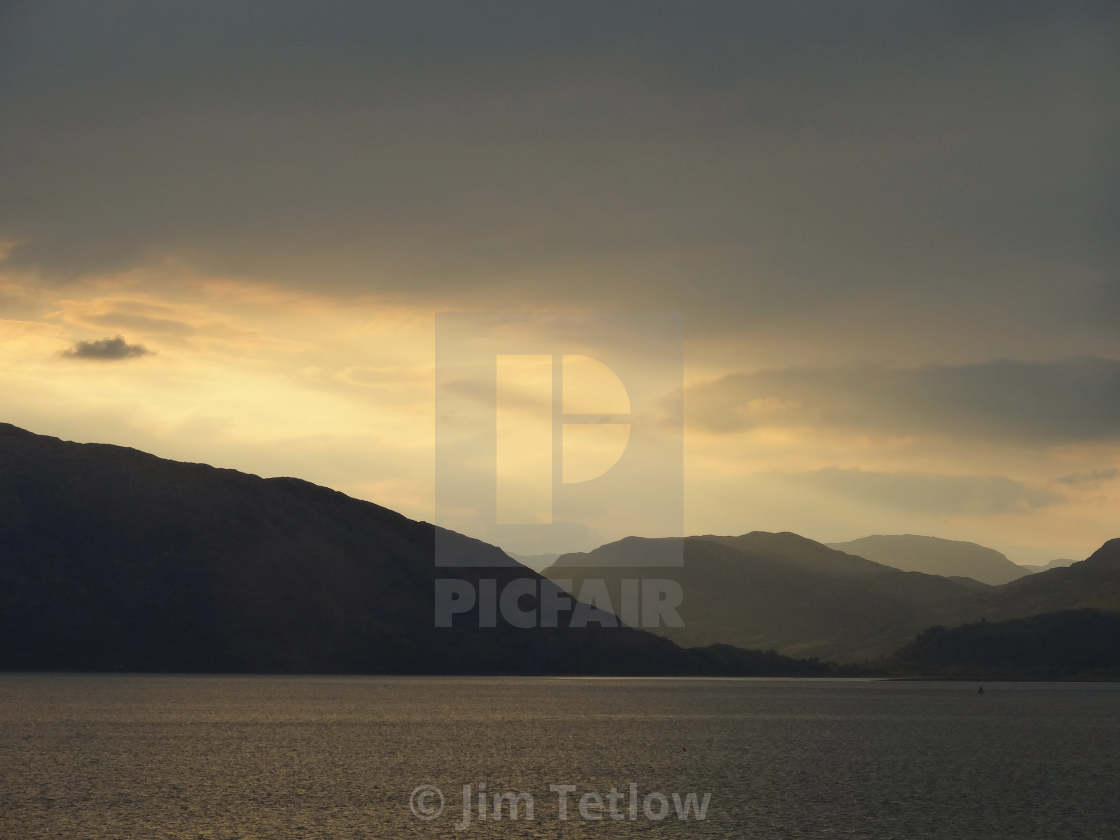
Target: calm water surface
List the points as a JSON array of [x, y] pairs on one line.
[[338, 757]]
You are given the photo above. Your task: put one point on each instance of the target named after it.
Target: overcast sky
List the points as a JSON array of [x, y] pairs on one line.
[[891, 230]]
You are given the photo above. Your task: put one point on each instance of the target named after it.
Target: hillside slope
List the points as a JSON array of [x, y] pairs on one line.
[[1075, 644], [762, 590], [935, 556], [1093, 583]]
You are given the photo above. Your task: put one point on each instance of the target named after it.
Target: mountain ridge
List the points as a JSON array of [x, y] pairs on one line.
[[783, 590], [115, 559], [936, 556], [763, 589], [111, 557]]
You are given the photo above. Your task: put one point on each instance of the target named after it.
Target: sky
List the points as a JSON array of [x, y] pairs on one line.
[[889, 229]]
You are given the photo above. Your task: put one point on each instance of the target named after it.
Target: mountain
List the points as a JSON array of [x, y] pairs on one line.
[[1093, 583], [1045, 567], [1075, 644], [803, 598], [935, 556], [763, 590], [113, 559]]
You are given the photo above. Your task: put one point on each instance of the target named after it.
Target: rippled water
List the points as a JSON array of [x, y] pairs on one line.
[[335, 757]]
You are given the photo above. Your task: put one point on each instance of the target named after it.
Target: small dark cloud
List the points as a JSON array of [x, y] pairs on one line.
[[106, 350], [1089, 478]]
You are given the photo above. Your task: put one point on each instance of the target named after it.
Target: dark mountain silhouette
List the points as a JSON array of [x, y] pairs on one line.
[[536, 562], [1075, 644], [762, 590], [935, 556], [113, 559]]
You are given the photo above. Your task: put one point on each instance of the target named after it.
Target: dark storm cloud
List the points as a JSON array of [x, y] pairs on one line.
[[1073, 400], [947, 495], [106, 350], [730, 157]]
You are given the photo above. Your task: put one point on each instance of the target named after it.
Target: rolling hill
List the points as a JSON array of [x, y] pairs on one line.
[[803, 598], [1093, 583], [935, 556], [762, 590]]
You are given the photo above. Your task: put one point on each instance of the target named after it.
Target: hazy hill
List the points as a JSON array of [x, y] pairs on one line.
[[935, 556], [111, 558], [803, 598], [762, 590], [1077, 644], [1092, 583], [1045, 567]]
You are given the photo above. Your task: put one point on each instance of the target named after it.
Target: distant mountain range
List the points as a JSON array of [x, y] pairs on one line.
[[762, 590], [783, 591], [113, 559], [935, 556], [1053, 564]]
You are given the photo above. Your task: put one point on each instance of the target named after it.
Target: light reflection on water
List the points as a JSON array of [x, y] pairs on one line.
[[336, 757]]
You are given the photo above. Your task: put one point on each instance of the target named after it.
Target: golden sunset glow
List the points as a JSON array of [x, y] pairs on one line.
[[279, 381], [891, 323]]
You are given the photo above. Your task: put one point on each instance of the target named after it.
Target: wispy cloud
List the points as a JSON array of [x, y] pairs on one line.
[[949, 495], [141, 322], [1089, 478], [1071, 400]]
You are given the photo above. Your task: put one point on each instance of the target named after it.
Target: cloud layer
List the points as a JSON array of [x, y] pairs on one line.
[[1041, 402], [743, 162], [940, 495]]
